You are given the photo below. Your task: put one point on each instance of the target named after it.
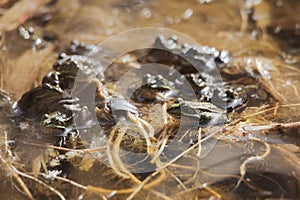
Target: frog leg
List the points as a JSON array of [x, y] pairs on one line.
[[53, 87], [69, 104], [103, 114]]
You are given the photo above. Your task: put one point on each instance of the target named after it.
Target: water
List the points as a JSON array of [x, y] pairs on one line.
[[267, 46]]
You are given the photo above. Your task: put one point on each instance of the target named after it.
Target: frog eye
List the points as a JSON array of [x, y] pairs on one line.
[[178, 100], [45, 116], [147, 78], [159, 77], [152, 82], [62, 55], [148, 75]]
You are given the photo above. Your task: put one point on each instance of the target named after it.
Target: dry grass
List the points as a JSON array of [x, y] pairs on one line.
[[165, 170]]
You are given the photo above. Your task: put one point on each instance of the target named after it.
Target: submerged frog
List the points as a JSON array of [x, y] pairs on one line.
[[45, 99], [185, 58], [204, 112], [55, 122], [72, 67], [52, 78], [71, 64], [39, 100], [155, 88], [80, 48], [231, 97], [84, 71], [91, 51]]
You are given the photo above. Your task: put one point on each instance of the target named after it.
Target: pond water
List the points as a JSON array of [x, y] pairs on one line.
[[263, 37]]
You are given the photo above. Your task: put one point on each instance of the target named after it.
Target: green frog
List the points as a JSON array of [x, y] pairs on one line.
[[155, 88], [204, 112]]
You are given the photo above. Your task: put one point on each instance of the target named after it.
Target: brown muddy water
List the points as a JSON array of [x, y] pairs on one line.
[[255, 156]]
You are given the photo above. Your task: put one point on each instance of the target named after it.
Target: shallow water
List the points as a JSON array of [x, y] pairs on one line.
[[269, 45], [216, 24]]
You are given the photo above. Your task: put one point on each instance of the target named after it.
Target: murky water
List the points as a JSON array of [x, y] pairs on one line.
[[216, 24], [266, 42]]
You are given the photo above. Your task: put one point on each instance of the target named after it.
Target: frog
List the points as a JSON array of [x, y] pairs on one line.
[[196, 80], [231, 97], [199, 85], [205, 113], [155, 88], [80, 48], [52, 78], [209, 89], [32, 103], [45, 99], [71, 65], [97, 55], [55, 123], [185, 57], [81, 69]]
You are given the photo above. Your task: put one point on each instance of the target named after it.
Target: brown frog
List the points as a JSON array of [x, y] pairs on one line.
[[155, 87], [45, 99], [55, 122], [185, 58], [204, 113]]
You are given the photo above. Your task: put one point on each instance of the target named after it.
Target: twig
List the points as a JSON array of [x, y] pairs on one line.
[[143, 183], [177, 179], [23, 186], [67, 181], [201, 186], [99, 190], [199, 138], [159, 152], [196, 172], [212, 191], [276, 109], [12, 170], [185, 134], [116, 154], [144, 133], [15, 173], [165, 115], [136, 190], [67, 149], [42, 183], [263, 111], [110, 155], [271, 127], [150, 128], [251, 160], [162, 196]]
